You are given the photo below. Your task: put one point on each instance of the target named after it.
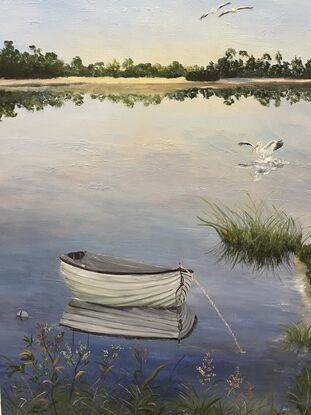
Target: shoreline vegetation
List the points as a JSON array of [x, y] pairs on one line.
[[51, 377], [36, 64]]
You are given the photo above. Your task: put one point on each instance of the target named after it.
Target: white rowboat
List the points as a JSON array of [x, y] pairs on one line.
[[120, 282], [137, 322]]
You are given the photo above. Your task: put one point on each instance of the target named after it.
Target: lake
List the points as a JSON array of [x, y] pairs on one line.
[[126, 174]]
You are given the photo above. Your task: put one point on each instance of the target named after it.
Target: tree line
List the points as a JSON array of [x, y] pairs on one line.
[[37, 64]]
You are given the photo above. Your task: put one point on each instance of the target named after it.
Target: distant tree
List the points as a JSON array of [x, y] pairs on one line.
[[230, 53], [77, 67], [210, 73], [36, 64], [297, 67], [113, 68], [278, 57], [250, 64], [9, 61], [175, 70], [243, 53], [307, 72], [128, 64]]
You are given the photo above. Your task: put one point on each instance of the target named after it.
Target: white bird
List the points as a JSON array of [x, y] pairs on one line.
[[264, 151], [23, 315], [235, 10], [214, 10]]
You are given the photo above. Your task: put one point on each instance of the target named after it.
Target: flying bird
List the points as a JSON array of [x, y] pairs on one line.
[[264, 151], [235, 10], [214, 10]]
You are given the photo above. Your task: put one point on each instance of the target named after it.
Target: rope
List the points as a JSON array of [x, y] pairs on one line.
[[203, 289], [180, 325], [182, 283]]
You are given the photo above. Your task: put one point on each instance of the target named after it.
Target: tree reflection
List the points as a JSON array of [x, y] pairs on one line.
[[11, 101]]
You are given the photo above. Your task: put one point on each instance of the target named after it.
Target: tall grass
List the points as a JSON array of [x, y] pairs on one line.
[[51, 378], [297, 337], [254, 234], [304, 254]]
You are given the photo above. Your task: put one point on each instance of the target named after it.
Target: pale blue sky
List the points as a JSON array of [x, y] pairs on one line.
[[156, 30]]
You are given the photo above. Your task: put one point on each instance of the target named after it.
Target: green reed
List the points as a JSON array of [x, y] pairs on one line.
[[254, 234]]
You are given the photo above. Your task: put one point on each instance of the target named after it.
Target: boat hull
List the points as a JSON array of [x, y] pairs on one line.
[[159, 290]]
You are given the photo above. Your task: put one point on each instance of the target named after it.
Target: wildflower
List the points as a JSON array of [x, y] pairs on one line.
[[80, 354], [206, 370], [234, 381]]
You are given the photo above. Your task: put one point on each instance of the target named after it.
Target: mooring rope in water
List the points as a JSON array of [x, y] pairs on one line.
[[204, 290]]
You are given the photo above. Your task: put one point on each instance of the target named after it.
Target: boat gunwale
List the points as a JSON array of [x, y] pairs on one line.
[[69, 261]]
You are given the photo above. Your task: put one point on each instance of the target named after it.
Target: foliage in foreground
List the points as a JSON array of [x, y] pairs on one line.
[[255, 235], [51, 378], [297, 338]]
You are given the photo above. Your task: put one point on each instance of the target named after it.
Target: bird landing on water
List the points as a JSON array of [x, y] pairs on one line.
[[264, 151]]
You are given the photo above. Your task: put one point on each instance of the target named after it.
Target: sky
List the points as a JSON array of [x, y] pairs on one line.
[[156, 30]]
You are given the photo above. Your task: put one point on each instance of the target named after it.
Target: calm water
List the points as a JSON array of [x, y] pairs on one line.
[[129, 181]]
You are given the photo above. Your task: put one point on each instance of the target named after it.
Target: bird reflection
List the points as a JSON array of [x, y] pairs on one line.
[[260, 168], [265, 163]]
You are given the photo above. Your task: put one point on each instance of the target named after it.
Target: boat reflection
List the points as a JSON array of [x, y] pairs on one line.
[[135, 322]]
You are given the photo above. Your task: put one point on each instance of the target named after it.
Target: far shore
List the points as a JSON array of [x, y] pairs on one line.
[[142, 83]]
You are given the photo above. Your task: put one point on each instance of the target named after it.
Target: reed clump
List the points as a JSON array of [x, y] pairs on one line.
[[304, 254], [297, 338], [255, 234]]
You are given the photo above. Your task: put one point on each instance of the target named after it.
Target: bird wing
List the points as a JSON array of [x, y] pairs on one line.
[[278, 144], [273, 145], [223, 5], [245, 143], [225, 12], [244, 8], [245, 165], [269, 146], [205, 15]]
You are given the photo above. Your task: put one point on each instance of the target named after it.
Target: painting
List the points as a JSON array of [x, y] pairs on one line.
[[155, 207]]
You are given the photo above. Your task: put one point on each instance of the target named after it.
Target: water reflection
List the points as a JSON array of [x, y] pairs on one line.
[[259, 169], [253, 259], [136, 322], [11, 101]]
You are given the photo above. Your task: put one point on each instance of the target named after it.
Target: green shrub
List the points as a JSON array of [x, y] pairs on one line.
[[203, 75]]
